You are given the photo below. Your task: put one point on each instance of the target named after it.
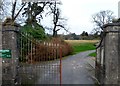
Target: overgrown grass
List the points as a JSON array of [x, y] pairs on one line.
[[82, 45], [93, 54]]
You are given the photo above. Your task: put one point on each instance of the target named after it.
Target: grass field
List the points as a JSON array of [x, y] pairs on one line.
[[93, 54], [82, 45]]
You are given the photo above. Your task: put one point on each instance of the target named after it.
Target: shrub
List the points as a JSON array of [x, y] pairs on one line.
[[49, 50]]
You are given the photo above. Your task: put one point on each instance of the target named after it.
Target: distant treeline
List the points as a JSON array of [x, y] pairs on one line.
[[83, 36]]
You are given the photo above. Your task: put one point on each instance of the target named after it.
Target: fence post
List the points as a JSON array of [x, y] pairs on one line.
[[10, 65], [112, 53]]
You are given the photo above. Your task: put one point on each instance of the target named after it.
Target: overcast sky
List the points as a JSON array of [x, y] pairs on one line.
[[79, 12]]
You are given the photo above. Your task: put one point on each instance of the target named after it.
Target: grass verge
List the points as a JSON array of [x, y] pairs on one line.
[[83, 47], [93, 54]]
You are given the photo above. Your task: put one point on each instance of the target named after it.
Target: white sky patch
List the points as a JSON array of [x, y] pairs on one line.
[[79, 12]]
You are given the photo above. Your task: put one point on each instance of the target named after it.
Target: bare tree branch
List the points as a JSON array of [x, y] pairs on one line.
[[19, 11], [102, 17], [55, 12], [13, 8], [60, 26]]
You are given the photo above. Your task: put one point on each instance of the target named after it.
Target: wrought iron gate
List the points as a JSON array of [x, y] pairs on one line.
[[40, 62]]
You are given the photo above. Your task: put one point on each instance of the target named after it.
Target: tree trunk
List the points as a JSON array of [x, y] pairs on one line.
[[54, 33]]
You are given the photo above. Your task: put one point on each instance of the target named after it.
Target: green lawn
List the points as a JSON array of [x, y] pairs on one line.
[[80, 47], [93, 54]]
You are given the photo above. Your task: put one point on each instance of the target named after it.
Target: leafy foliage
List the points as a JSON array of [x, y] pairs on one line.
[[35, 31], [84, 33]]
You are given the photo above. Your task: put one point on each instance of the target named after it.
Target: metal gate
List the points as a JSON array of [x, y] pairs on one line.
[[40, 62]]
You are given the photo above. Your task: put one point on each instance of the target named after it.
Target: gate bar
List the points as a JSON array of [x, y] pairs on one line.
[[60, 66]]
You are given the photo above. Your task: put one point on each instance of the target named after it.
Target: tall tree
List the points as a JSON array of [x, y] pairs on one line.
[[33, 13], [57, 19], [101, 18], [84, 33]]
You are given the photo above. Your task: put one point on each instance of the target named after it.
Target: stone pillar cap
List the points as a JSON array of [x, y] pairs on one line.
[[111, 27], [111, 24]]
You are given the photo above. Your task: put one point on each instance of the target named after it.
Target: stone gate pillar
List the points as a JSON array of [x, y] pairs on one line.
[[0, 49], [112, 53], [10, 65]]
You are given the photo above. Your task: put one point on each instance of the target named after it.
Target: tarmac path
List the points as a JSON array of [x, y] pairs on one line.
[[74, 69]]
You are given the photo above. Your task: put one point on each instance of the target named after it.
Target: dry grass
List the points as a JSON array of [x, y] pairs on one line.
[[81, 41]]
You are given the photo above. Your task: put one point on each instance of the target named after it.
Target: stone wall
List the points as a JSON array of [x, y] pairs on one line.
[[108, 55]]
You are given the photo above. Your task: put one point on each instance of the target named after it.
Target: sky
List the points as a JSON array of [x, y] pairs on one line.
[[79, 12]]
